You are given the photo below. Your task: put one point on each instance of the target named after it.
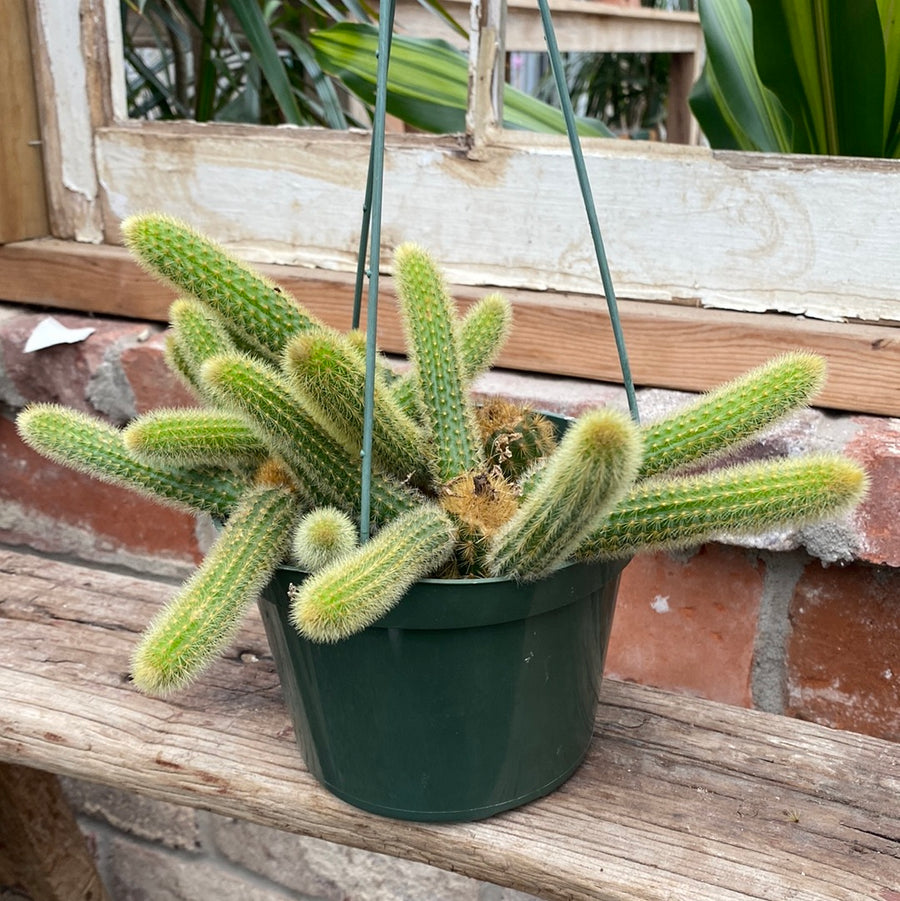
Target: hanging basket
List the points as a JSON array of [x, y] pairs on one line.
[[470, 697]]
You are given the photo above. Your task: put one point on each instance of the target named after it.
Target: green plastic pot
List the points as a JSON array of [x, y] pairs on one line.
[[470, 697]]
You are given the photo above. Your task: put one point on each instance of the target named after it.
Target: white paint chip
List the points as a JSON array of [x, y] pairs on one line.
[[50, 332], [660, 604]]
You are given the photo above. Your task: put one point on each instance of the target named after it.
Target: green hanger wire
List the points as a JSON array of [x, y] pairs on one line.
[[371, 229]]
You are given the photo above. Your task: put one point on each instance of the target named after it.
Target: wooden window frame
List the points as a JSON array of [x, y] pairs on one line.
[[720, 259]]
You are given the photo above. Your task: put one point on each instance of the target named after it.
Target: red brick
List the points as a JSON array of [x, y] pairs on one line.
[[877, 447], [844, 651], [56, 510], [689, 626], [61, 374], [153, 383]]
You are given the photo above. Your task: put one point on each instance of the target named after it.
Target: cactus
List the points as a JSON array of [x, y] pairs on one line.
[[431, 332], [482, 333], [362, 586], [514, 438], [328, 376], [320, 465], [592, 468], [321, 537], [193, 438], [204, 615], [88, 445], [725, 418], [457, 492], [260, 314], [741, 500]]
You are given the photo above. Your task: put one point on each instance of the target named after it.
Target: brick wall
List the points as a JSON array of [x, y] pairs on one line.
[[806, 624]]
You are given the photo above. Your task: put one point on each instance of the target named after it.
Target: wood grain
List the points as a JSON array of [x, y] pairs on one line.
[[678, 798], [566, 334], [23, 211]]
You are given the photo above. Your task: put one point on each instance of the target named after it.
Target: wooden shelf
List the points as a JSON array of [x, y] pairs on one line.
[[678, 798], [669, 346]]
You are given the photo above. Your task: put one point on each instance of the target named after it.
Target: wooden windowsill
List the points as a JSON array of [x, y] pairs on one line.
[[669, 346]]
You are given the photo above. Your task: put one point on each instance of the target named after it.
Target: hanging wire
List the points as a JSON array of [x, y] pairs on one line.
[[587, 195], [372, 226]]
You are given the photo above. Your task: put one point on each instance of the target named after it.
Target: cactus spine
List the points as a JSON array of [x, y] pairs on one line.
[[203, 616], [592, 468], [93, 447], [741, 500], [430, 326], [363, 585], [732, 413]]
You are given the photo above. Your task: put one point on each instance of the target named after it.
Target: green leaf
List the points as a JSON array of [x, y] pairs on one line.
[[889, 11], [427, 82], [825, 59], [265, 52], [332, 112], [734, 109]]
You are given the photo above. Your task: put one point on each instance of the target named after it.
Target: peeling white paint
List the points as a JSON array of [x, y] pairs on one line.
[[660, 604], [61, 29], [680, 224]]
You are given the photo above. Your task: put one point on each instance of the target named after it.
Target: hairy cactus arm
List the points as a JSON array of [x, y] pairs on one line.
[[323, 469], [88, 445], [328, 376], [429, 323], [482, 333], [188, 437], [258, 312], [591, 470], [204, 615], [362, 586], [740, 500], [731, 414], [199, 333]]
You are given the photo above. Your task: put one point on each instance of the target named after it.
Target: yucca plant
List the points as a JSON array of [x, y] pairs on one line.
[[458, 490]]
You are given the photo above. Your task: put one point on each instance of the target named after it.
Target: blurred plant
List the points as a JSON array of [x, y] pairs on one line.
[[801, 76], [427, 82], [626, 91], [232, 60], [297, 61]]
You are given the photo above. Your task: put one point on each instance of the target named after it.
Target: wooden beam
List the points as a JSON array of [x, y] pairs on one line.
[[71, 70], [23, 205], [677, 798], [42, 851], [567, 334], [579, 24]]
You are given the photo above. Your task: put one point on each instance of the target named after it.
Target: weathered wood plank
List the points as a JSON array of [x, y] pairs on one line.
[[42, 851], [725, 230], [23, 212], [584, 25], [71, 70], [567, 334], [678, 799]]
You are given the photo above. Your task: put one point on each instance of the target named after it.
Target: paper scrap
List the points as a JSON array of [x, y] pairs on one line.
[[49, 332]]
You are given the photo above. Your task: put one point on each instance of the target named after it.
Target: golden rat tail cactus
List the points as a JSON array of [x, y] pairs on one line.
[[457, 491]]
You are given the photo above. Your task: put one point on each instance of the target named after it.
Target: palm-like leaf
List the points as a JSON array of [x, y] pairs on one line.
[[427, 82]]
